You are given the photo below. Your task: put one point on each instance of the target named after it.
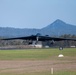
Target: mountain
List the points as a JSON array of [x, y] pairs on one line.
[[57, 28]]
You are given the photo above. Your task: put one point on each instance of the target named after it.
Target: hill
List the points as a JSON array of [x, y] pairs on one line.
[[57, 28]]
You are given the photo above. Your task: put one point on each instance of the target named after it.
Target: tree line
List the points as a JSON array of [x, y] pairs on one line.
[[66, 43]]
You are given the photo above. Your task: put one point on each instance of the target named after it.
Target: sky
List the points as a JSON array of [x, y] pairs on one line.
[[36, 13]]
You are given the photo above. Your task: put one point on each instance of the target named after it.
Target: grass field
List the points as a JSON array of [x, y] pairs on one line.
[[38, 62]]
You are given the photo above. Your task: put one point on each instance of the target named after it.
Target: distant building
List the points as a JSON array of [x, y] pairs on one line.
[[37, 44], [72, 46]]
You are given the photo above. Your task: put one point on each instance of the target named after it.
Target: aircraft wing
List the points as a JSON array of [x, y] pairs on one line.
[[56, 39], [40, 38], [32, 37]]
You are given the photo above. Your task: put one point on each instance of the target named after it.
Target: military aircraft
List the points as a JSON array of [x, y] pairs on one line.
[[40, 38]]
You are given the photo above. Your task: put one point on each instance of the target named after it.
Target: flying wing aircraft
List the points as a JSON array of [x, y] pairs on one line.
[[40, 38], [37, 38]]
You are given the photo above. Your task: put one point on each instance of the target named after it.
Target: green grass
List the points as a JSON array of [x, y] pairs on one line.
[[39, 54], [43, 73], [26, 54], [35, 54], [65, 73]]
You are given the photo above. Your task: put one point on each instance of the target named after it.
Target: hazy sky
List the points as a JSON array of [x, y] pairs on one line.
[[36, 13]]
